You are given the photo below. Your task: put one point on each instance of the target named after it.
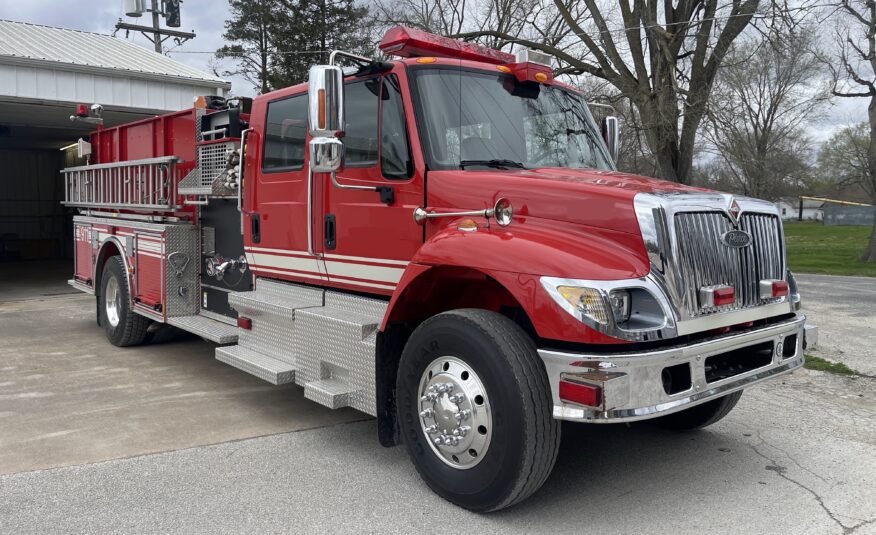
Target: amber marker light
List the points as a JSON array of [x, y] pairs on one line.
[[503, 68], [426, 60], [321, 108], [467, 225], [541, 77]]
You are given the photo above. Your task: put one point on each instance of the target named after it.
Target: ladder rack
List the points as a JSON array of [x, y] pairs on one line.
[[150, 184]]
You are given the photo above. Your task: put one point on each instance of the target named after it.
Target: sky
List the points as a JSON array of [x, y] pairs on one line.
[[207, 19]]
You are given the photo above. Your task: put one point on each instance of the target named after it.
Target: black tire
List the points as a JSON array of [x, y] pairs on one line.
[[700, 415], [525, 437], [130, 328]]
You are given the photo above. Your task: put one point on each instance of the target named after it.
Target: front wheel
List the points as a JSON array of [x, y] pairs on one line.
[[700, 415], [475, 409]]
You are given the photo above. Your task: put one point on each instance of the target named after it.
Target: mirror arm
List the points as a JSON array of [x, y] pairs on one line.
[[355, 57]]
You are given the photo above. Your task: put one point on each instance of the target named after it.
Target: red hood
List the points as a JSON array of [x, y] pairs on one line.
[[601, 199]]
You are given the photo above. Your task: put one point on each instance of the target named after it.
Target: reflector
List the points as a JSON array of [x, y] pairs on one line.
[[724, 296], [582, 394]]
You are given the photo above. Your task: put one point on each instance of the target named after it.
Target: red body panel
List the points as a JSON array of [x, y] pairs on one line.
[[83, 253]]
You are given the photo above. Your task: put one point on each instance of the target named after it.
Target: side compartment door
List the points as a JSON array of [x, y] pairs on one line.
[[148, 269], [367, 242], [83, 253]]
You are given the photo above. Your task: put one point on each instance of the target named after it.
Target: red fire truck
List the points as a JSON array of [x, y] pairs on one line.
[[443, 242]]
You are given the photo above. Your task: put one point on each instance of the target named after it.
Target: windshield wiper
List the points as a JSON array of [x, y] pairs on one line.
[[497, 164]]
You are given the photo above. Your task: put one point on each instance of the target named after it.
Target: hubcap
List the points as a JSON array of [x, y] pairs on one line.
[[113, 301], [455, 412]]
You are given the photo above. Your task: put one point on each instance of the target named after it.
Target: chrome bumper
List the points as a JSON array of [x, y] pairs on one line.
[[632, 384]]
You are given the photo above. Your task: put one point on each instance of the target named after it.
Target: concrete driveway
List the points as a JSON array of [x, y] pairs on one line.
[[164, 438]]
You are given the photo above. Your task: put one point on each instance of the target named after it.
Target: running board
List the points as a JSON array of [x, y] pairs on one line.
[[254, 363], [207, 328], [323, 340]]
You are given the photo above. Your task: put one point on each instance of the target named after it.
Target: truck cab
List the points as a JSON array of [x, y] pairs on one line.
[[443, 241]]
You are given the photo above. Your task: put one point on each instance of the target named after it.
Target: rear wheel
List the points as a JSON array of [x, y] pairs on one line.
[[122, 326], [700, 415], [475, 409]]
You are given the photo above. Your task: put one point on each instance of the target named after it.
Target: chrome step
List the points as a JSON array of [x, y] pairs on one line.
[[330, 393], [207, 328], [254, 363]]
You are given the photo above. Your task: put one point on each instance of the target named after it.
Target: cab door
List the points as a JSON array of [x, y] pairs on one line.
[[276, 208], [367, 241]]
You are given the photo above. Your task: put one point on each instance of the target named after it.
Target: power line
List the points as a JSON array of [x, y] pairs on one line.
[[758, 16]]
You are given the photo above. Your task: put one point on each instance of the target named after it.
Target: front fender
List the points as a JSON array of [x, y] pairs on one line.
[[518, 255]]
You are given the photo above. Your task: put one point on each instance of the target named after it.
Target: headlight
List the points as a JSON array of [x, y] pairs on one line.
[[626, 309], [587, 301]]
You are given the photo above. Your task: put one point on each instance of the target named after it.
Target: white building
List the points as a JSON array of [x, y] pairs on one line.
[[813, 210], [44, 73]]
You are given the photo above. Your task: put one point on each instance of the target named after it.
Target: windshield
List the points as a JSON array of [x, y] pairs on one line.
[[470, 118]]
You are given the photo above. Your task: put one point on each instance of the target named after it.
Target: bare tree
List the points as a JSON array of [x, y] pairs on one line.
[[854, 75], [660, 56], [764, 97]]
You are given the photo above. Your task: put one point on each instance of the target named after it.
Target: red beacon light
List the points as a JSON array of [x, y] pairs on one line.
[[82, 110], [527, 65]]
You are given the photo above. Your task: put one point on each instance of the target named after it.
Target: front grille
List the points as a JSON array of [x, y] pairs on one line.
[[703, 260]]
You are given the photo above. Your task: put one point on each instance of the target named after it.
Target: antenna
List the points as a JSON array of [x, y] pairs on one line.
[[170, 9]]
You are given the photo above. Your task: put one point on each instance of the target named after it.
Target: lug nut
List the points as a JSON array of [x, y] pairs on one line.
[[432, 429], [455, 441], [463, 430], [462, 415], [457, 398], [437, 441], [456, 432], [431, 396], [426, 413]]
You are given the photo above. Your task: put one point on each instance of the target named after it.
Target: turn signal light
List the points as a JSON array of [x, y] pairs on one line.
[[773, 288], [715, 296], [580, 393]]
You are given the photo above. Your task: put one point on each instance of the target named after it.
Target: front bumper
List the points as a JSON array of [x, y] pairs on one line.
[[634, 385]]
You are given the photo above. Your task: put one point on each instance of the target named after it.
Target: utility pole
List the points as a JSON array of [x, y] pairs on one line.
[[156, 33]]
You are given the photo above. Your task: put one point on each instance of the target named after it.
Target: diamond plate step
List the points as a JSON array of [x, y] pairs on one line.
[[254, 363], [213, 330], [330, 393]]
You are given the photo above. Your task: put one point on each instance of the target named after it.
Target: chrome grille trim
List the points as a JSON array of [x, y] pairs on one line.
[[704, 261], [681, 233]]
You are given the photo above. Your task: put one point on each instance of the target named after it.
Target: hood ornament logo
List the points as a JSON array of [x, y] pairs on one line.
[[733, 210]]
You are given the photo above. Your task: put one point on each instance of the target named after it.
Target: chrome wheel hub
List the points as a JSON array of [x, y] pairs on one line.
[[113, 301], [455, 412]]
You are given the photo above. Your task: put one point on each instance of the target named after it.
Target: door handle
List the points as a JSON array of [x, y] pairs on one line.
[[330, 232]]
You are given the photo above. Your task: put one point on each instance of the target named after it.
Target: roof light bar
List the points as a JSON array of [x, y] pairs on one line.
[[411, 43]]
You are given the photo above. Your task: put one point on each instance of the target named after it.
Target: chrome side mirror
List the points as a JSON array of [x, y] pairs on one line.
[[326, 154], [611, 135], [326, 101]]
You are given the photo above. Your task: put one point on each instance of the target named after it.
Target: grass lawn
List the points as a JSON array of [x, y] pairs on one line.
[[816, 248]]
